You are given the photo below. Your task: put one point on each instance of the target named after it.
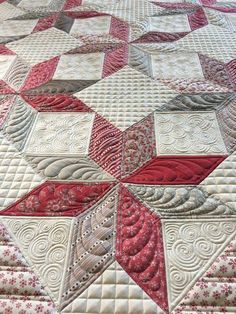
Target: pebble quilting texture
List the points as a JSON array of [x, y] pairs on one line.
[[117, 157]]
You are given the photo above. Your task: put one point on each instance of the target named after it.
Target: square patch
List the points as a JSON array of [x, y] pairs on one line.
[[176, 23], [17, 27], [176, 65], [60, 134], [98, 25], [213, 41], [80, 67], [46, 45], [125, 97], [188, 133]]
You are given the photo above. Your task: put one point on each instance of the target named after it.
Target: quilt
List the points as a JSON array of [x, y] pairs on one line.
[[117, 157]]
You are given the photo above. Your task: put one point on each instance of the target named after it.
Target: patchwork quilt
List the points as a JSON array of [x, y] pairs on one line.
[[117, 157]]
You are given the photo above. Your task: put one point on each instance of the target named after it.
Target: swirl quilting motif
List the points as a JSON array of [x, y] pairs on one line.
[[188, 133], [66, 133], [189, 247], [16, 272], [211, 291], [44, 243]]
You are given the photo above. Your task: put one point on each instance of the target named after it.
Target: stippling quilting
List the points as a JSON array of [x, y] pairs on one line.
[[117, 156]]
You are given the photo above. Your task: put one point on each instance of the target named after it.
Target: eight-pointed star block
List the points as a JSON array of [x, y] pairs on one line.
[[47, 44], [60, 133], [188, 133]]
